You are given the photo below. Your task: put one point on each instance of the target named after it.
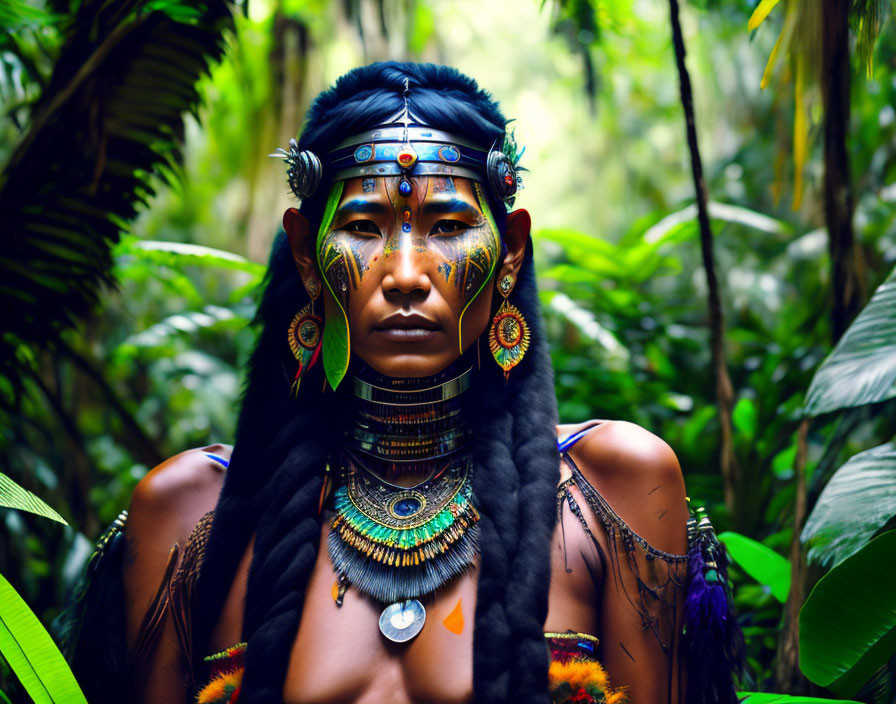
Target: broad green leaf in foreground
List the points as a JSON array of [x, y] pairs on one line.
[[32, 654], [848, 623], [862, 367], [760, 562], [763, 698], [858, 500], [14, 496]]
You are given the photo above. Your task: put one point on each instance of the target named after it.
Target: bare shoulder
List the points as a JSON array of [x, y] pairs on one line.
[[639, 476], [178, 492], [165, 507]]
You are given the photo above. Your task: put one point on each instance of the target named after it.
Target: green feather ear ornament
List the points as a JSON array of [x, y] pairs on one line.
[[336, 343]]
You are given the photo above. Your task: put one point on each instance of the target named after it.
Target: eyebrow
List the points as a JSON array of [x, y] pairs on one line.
[[360, 206], [451, 206]]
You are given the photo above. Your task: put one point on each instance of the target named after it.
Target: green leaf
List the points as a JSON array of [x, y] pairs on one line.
[[760, 562], [336, 346], [760, 13], [14, 496], [32, 654], [184, 253], [763, 698], [15, 14], [857, 501], [682, 224], [67, 214], [862, 367], [744, 417], [784, 462], [848, 623]]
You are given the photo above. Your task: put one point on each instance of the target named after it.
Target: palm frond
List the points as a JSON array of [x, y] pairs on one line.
[[109, 119], [867, 17]]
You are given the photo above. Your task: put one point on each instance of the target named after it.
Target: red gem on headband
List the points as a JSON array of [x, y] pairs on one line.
[[406, 157]]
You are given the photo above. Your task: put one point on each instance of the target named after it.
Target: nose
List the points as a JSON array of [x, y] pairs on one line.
[[407, 275]]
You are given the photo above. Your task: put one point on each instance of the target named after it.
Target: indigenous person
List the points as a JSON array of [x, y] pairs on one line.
[[401, 518]]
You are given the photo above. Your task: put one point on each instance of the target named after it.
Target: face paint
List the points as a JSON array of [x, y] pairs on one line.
[[345, 256], [454, 621], [444, 233], [469, 257], [486, 255], [443, 185]]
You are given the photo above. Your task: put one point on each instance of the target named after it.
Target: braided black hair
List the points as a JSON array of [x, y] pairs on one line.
[[282, 444]]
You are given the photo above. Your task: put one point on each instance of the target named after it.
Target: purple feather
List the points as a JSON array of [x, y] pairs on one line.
[[713, 640], [706, 608]]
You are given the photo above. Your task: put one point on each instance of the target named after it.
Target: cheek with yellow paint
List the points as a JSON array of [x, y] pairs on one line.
[[345, 258], [468, 258]]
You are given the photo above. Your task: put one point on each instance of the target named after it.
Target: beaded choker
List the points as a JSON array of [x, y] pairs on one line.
[[404, 420], [396, 543]]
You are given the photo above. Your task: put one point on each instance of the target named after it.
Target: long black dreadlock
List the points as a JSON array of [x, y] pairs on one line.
[[282, 444]]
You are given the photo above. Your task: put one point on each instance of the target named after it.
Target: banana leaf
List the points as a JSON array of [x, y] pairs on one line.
[[32, 654], [857, 502], [862, 367], [848, 623]]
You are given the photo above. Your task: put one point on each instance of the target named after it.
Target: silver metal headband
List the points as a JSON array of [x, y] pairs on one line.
[[396, 133], [403, 146]]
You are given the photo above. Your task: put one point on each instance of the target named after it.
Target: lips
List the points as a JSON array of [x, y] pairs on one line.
[[411, 327]]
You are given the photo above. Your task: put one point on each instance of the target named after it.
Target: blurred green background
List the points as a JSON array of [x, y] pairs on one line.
[[155, 368]]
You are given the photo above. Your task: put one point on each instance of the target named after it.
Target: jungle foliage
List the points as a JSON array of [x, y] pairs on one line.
[[137, 205]]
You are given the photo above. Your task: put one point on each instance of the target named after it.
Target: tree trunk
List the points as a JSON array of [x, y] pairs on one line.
[[788, 677], [724, 389], [847, 281]]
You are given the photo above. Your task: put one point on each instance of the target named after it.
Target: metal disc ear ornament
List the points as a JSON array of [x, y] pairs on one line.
[[508, 337], [403, 620], [501, 175], [304, 169], [313, 288], [304, 342]]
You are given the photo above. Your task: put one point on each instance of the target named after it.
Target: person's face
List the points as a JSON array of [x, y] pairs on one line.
[[413, 274]]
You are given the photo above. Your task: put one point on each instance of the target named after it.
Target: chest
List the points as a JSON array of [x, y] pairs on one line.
[[339, 654]]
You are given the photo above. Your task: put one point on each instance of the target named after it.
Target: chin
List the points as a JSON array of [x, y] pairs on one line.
[[409, 365]]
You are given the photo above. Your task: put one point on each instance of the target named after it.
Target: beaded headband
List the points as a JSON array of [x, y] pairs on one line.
[[404, 146]]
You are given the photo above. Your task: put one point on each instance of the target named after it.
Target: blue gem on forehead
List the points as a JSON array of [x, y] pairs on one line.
[[404, 187], [406, 227], [364, 153]]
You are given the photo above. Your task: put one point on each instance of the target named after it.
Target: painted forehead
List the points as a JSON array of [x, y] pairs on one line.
[[368, 191]]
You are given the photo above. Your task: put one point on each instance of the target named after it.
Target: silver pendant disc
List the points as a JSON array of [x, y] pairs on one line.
[[402, 620]]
